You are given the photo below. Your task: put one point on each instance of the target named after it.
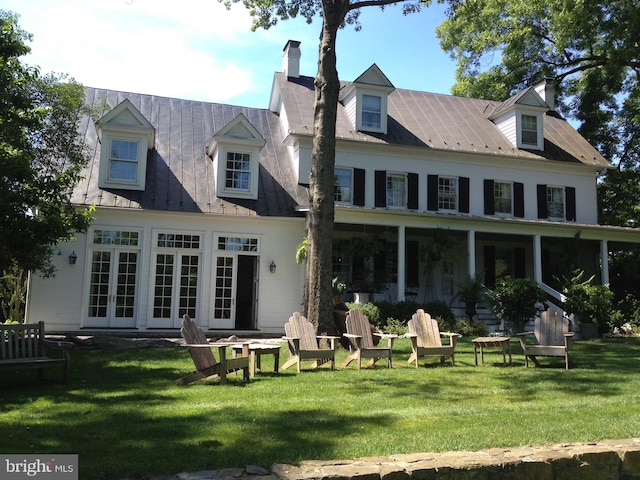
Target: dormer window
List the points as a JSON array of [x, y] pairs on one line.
[[365, 101], [123, 161], [238, 171], [235, 151], [371, 112], [126, 136], [521, 119], [529, 130]]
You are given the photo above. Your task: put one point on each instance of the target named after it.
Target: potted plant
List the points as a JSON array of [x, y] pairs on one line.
[[516, 301], [470, 291], [338, 287], [591, 305]]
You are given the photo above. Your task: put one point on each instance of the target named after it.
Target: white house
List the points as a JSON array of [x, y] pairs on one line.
[[200, 206]]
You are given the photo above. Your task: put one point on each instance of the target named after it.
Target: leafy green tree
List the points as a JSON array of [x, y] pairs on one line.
[[41, 156], [334, 15], [516, 301]]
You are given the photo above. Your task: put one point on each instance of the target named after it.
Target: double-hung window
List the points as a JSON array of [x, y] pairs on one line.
[[238, 171], [396, 190], [123, 161], [555, 202], [503, 198], [371, 111], [529, 130], [343, 185], [448, 193]]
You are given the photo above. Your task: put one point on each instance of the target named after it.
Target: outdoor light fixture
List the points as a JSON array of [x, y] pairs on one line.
[[72, 258], [272, 267]]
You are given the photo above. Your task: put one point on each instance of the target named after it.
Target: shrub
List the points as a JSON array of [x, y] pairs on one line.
[[470, 328], [589, 303], [516, 300], [370, 310], [395, 327]]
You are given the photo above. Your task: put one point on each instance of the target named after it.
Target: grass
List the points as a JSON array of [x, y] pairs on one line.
[[124, 417]]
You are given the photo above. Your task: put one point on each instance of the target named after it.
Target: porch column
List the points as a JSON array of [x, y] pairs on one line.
[[401, 262], [537, 258], [604, 261], [471, 248]]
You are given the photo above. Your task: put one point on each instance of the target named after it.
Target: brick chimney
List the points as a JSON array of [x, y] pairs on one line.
[[547, 90], [291, 59]]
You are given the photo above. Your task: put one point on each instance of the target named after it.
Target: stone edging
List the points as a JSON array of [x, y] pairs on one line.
[[607, 459]]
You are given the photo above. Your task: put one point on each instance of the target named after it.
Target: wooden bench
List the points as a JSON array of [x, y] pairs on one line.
[[25, 346]]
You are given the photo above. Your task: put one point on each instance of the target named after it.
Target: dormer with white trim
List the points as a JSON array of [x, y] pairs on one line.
[[126, 136], [521, 119], [235, 150], [365, 101]]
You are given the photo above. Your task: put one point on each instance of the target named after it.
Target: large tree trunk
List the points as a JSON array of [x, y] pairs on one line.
[[321, 212]]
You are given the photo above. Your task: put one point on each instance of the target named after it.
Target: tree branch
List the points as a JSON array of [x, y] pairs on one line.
[[373, 3]]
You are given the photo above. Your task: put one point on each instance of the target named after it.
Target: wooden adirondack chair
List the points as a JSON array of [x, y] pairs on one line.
[[553, 338], [361, 340], [203, 358], [304, 344], [426, 339]]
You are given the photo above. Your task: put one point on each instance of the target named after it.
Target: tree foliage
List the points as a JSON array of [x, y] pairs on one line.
[[41, 157]]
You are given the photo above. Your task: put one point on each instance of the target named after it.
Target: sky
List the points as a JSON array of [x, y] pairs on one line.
[[198, 50]]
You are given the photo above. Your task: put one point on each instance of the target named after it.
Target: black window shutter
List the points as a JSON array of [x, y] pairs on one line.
[[358, 187], [463, 195], [412, 193], [489, 203], [518, 199], [490, 265], [432, 193], [543, 211], [381, 188], [570, 203]]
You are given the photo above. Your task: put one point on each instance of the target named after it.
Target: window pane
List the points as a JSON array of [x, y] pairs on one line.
[[502, 197], [447, 193], [371, 111], [238, 172], [529, 130], [342, 186], [395, 190], [555, 202], [123, 161]]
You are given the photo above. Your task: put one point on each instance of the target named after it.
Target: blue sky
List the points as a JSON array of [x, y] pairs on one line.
[[195, 49]]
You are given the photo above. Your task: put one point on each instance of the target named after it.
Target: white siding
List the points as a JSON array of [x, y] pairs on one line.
[[279, 294]]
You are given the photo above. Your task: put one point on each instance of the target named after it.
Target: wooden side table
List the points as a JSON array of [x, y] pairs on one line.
[[492, 342], [257, 350]]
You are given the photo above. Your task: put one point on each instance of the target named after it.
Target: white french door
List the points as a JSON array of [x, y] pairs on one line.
[[112, 288], [224, 292], [176, 289], [235, 292]]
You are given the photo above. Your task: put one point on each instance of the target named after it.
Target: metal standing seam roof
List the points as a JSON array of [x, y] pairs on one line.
[[440, 122], [180, 176]]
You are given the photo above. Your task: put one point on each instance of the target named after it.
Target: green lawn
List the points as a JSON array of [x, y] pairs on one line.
[[124, 417]]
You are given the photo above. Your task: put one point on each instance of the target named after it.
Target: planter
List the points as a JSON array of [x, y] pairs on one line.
[[361, 297], [589, 330]]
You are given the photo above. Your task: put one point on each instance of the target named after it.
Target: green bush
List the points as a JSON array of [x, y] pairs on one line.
[[371, 311], [468, 328], [395, 327], [516, 300]]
